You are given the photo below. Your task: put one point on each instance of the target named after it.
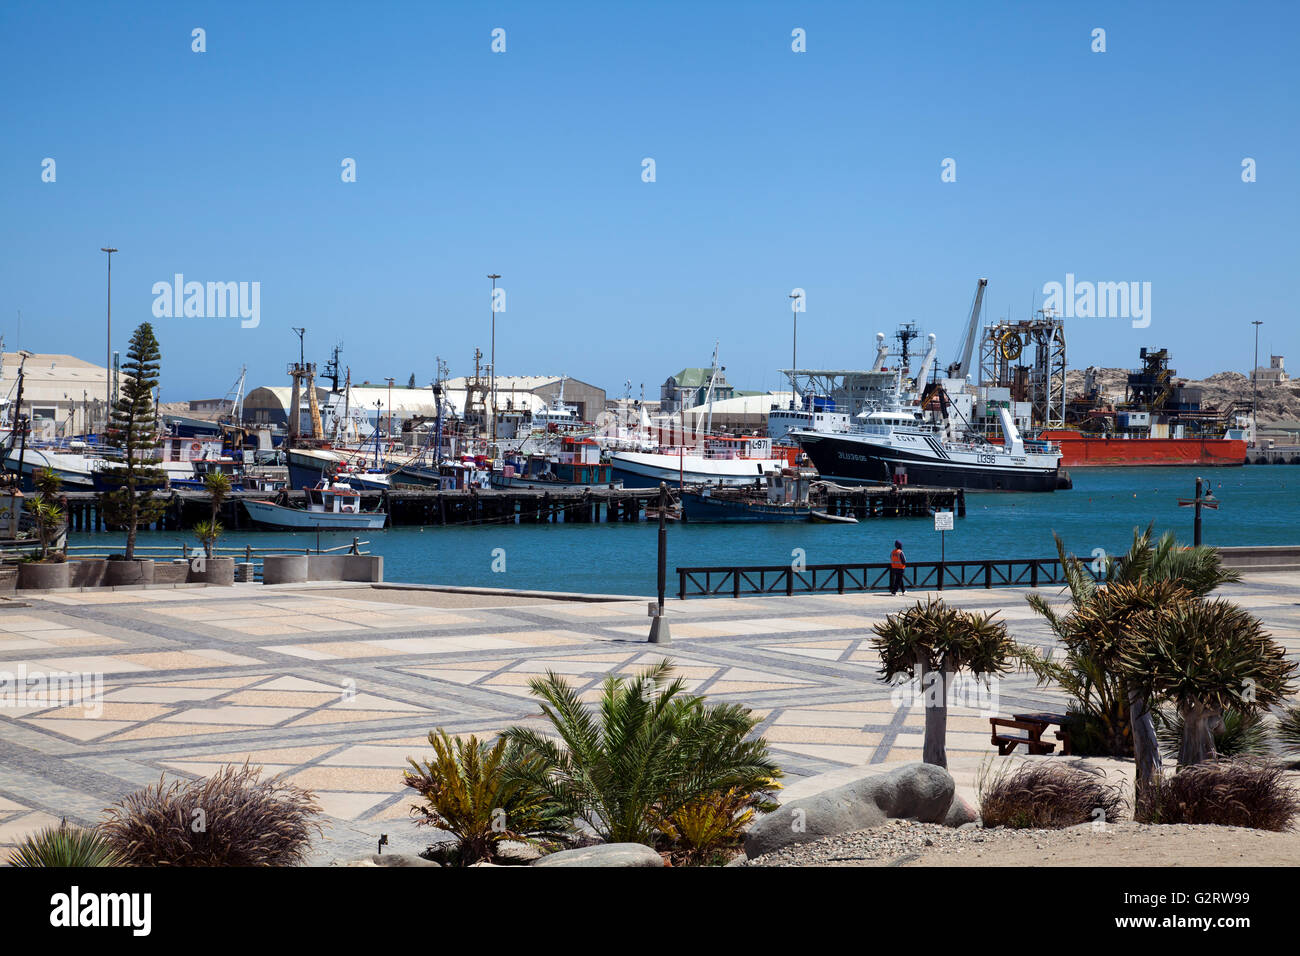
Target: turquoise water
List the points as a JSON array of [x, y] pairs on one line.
[[1259, 507]]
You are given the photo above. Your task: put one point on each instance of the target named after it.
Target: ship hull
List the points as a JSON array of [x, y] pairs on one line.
[[848, 461], [706, 508], [1084, 451], [269, 515], [648, 469]]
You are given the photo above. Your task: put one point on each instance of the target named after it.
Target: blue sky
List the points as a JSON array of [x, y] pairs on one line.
[[774, 170]]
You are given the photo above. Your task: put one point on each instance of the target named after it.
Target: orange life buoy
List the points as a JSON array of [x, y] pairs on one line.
[[195, 448]]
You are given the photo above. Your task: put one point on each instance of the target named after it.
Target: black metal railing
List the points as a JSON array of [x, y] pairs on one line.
[[748, 581]]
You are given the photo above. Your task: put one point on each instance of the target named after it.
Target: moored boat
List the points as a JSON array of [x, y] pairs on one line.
[[331, 506]]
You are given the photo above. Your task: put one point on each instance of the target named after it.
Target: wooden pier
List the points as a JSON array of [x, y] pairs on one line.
[[428, 506]]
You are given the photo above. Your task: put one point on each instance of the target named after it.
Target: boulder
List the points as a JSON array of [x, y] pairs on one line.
[[604, 854], [960, 813], [517, 853], [915, 791]]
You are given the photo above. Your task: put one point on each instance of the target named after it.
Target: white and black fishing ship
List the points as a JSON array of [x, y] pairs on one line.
[[879, 426]]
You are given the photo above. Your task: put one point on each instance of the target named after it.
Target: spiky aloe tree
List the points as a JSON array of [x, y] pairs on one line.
[[934, 642], [1098, 621], [134, 430], [1205, 657], [1288, 730], [644, 752]]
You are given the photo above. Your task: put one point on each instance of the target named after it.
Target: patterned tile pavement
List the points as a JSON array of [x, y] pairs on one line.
[[336, 687]]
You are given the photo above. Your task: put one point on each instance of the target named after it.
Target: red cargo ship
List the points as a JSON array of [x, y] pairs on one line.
[[1081, 450], [1159, 423]]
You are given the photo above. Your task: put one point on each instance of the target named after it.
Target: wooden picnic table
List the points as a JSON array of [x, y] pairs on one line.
[[1033, 725]]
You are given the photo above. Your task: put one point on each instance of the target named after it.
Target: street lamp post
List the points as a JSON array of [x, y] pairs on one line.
[[390, 414], [794, 348], [493, 386], [1254, 389], [108, 348]]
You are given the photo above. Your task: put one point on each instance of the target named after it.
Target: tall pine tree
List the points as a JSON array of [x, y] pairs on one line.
[[134, 430]]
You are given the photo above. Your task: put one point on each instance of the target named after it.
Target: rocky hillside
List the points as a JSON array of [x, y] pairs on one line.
[[1278, 404]]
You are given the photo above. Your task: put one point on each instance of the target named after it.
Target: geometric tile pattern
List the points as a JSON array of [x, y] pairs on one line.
[[335, 687]]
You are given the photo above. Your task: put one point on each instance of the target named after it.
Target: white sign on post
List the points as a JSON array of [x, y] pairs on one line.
[[943, 521]]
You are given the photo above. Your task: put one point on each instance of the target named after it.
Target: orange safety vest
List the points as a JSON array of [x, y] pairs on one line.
[[896, 559]]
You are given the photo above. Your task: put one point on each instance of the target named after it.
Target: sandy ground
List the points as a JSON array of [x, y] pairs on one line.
[[907, 843]]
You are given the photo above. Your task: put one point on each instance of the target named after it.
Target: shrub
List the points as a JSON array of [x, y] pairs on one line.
[[1242, 734], [648, 751], [706, 831], [64, 845], [1231, 793], [1042, 794], [468, 793], [232, 818]]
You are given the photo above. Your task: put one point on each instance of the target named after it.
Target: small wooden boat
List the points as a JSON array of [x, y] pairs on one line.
[[822, 516], [331, 506]]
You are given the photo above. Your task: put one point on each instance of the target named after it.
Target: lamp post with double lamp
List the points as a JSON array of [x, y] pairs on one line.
[[1254, 389], [794, 348], [108, 348], [493, 382]]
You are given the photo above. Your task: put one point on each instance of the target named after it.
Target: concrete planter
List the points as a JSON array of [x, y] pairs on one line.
[[284, 569], [215, 571], [86, 572], [43, 576], [121, 572], [346, 567]]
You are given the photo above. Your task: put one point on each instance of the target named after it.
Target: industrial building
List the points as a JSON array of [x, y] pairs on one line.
[[62, 395]]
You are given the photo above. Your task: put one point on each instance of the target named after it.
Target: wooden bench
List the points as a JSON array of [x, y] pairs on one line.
[[1047, 719], [1032, 738]]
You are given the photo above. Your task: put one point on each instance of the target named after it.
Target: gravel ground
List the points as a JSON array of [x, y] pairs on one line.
[[908, 843]]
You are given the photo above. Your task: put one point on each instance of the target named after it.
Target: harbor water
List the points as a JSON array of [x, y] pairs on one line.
[[1259, 506]]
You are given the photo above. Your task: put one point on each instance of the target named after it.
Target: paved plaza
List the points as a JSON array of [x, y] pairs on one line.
[[335, 686]]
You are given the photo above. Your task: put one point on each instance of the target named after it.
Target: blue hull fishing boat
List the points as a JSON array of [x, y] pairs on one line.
[[784, 498]]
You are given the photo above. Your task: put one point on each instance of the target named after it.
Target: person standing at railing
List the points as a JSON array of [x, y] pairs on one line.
[[897, 564]]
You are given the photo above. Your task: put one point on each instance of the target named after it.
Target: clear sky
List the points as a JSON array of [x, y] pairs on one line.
[[774, 170]]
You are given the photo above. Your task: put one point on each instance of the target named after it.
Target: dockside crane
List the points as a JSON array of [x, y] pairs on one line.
[[961, 367]]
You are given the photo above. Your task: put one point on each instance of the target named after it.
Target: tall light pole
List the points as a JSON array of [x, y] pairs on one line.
[[1254, 389], [108, 348], [390, 413], [493, 386], [794, 348]]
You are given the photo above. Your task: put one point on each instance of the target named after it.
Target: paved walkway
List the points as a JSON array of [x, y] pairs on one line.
[[336, 686]]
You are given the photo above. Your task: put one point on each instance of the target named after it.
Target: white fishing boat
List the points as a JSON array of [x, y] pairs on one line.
[[331, 506], [720, 460]]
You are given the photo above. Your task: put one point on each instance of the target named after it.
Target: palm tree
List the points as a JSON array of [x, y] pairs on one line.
[[218, 488], [647, 750], [44, 508], [1205, 657], [933, 642], [468, 793]]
